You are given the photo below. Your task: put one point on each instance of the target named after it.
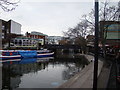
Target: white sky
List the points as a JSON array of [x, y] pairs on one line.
[[50, 17]]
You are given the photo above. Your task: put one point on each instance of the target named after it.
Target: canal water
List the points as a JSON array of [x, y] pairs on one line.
[[48, 72]]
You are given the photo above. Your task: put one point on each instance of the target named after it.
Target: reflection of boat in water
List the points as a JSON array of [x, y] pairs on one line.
[[27, 60], [18, 54], [15, 70], [20, 61], [10, 60]]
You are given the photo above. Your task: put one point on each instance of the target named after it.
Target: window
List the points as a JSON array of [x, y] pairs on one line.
[[3, 27], [12, 41], [7, 30], [20, 42], [15, 41], [2, 35]]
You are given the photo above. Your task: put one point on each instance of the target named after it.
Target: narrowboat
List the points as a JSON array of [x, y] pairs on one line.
[[18, 54]]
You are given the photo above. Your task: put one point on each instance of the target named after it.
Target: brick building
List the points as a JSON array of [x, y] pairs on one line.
[[37, 35]]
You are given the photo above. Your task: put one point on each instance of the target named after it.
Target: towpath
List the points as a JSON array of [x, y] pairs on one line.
[[84, 79]]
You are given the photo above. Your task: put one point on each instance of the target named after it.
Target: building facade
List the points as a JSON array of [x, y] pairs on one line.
[[33, 40], [24, 42], [42, 38], [110, 33], [54, 39], [9, 29], [15, 27]]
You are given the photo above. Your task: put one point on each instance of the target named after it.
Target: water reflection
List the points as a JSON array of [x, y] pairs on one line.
[[39, 73]]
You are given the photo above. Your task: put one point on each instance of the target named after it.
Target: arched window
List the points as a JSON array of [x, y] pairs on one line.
[[15, 41]]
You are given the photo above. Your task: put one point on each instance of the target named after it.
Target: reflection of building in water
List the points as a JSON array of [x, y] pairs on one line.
[[15, 73], [0, 76], [15, 81], [70, 71], [24, 68], [73, 68], [12, 73], [6, 77], [27, 68]]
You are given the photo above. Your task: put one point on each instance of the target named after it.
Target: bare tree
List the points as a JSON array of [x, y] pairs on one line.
[[106, 13], [77, 34], [72, 33], [80, 30], [87, 23], [9, 5], [82, 27]]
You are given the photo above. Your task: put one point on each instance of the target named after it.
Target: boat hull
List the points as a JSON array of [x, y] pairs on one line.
[[45, 55], [19, 56]]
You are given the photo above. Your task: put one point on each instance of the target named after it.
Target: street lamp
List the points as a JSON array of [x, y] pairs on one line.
[[96, 45]]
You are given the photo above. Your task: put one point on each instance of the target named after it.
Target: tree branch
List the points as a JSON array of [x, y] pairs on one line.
[[8, 5]]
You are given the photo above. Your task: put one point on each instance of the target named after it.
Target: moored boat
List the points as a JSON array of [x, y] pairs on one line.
[[9, 54], [18, 54]]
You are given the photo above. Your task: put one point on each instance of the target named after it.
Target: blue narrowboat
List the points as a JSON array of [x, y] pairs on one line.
[[18, 54]]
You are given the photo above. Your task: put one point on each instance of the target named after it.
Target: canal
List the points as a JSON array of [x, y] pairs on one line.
[[48, 72]]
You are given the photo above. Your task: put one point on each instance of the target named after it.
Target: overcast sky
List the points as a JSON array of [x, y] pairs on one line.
[[50, 17]]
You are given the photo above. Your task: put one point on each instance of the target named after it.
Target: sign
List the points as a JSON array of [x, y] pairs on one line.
[[110, 29]]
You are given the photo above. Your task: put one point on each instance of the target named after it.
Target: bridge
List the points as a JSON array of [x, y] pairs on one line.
[[54, 46]]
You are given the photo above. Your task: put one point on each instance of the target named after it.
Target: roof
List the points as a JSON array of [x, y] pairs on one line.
[[38, 33], [23, 37]]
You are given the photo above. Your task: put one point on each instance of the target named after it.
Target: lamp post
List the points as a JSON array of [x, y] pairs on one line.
[[96, 45]]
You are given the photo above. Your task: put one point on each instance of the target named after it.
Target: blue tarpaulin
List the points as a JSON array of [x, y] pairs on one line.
[[28, 54]]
